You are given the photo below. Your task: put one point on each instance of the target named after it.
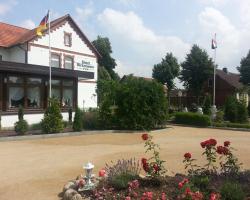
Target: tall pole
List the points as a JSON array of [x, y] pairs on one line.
[[214, 70], [49, 60]]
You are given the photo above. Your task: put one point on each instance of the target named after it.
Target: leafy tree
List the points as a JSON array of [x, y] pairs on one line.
[[207, 105], [21, 126], [244, 69], [102, 44], [166, 71], [78, 120], [103, 74], [196, 69]]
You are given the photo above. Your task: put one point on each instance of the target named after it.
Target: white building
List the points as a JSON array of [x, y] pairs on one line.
[[24, 70]]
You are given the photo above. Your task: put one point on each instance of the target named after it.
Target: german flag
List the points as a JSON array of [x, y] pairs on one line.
[[43, 25]]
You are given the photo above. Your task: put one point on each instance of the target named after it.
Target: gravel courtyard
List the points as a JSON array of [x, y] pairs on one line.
[[38, 169]]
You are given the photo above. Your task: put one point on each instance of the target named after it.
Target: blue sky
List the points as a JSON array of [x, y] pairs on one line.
[[143, 31]]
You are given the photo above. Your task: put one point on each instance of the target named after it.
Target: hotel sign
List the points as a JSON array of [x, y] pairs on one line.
[[85, 66]]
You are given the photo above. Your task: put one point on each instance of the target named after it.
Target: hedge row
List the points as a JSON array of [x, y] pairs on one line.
[[192, 119], [232, 125]]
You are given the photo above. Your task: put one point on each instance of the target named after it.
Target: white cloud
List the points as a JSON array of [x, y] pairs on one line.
[[139, 47], [232, 40], [5, 7], [28, 23]]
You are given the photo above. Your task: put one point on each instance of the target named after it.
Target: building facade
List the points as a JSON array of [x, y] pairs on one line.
[[24, 70]]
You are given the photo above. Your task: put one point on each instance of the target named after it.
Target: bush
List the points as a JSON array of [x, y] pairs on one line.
[[248, 108], [231, 191], [141, 104], [91, 120], [219, 116], [36, 126], [192, 119], [232, 125], [207, 105], [235, 111], [53, 120], [0, 120], [122, 172], [70, 115], [78, 119], [21, 126]]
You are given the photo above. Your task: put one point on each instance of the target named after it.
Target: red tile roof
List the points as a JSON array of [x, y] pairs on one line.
[[9, 34], [13, 35]]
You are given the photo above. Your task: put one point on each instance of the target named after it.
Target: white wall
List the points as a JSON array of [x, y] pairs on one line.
[[8, 121], [17, 55], [5, 54], [87, 93]]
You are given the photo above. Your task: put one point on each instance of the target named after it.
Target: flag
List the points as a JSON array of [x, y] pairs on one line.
[[214, 43], [43, 25]]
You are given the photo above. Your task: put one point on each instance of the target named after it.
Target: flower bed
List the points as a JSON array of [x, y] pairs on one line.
[[221, 178]]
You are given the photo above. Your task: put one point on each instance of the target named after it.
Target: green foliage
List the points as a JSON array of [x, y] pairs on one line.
[[103, 74], [232, 191], [232, 125], [20, 113], [78, 120], [21, 127], [103, 46], [0, 120], [235, 111], [91, 120], [36, 126], [167, 70], [219, 116], [192, 119], [244, 70], [122, 172], [196, 69], [201, 182], [207, 105], [70, 115], [248, 108], [52, 121]]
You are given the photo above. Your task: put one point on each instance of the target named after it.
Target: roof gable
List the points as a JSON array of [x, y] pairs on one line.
[[231, 78], [29, 35]]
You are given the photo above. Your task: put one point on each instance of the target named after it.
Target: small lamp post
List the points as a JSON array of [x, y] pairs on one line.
[[88, 169]]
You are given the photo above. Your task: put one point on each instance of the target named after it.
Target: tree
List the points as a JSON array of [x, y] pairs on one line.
[[196, 69], [166, 71], [244, 69], [103, 46]]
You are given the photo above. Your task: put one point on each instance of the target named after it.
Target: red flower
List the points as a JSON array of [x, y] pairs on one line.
[[188, 191], [156, 167], [102, 173], [212, 142], [226, 144], [145, 166], [180, 185], [145, 136], [187, 156], [128, 198], [163, 196], [222, 150], [144, 160], [214, 196], [203, 144], [81, 183], [208, 143]]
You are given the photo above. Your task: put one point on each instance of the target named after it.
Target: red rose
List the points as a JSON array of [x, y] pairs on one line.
[[156, 168], [226, 144], [203, 144], [144, 160], [180, 185], [145, 136], [102, 173], [212, 142], [145, 167], [187, 156], [187, 191], [222, 150]]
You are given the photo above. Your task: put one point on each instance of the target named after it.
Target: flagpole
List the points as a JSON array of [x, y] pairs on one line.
[[214, 70], [49, 60]]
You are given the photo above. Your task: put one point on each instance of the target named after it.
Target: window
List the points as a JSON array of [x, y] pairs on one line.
[[67, 39], [25, 92], [68, 62], [55, 60]]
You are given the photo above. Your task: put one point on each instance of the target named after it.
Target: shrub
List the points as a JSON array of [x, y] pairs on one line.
[[141, 104], [248, 108], [232, 125], [231, 191], [21, 126], [122, 172], [235, 111], [52, 121], [70, 115], [0, 120], [77, 124], [207, 105], [36, 126], [192, 119], [219, 116], [91, 120]]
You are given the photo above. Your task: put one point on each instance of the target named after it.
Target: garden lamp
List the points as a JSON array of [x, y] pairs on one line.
[[88, 170]]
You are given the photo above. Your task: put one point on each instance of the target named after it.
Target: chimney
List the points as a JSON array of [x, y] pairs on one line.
[[225, 70]]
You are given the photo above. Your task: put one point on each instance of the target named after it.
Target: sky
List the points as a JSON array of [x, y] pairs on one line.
[[141, 32]]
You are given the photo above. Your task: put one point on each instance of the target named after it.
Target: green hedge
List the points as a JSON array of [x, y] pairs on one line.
[[192, 119], [232, 125]]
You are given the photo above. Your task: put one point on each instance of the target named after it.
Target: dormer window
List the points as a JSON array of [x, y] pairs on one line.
[[67, 39]]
